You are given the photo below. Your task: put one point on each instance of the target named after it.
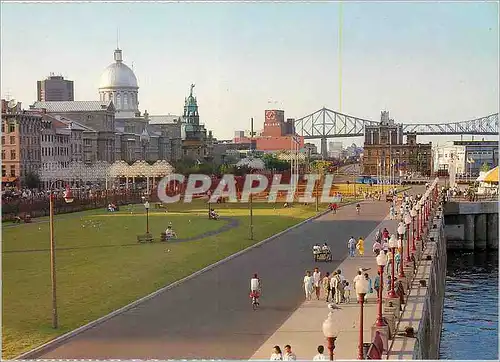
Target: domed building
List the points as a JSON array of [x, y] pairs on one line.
[[119, 84]]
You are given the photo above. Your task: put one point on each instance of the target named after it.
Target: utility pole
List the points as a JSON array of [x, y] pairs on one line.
[[251, 203]]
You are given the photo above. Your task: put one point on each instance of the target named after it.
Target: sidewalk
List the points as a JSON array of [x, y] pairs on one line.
[[303, 329]]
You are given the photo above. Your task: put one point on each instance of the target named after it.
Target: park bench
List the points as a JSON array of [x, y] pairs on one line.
[[145, 238], [24, 217]]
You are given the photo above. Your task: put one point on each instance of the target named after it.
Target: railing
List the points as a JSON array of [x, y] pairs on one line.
[[473, 198], [37, 207]]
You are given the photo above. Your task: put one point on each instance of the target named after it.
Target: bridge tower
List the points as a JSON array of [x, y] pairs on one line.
[[324, 149]]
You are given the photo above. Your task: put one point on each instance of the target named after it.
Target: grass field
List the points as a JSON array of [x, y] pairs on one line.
[[101, 267]]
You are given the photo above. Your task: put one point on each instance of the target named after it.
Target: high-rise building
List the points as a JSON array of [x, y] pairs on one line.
[[55, 89]]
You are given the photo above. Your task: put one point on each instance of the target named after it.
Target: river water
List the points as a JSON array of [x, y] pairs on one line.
[[470, 318]]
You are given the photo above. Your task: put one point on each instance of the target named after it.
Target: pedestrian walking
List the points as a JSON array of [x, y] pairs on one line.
[[276, 355], [339, 288], [376, 247], [317, 281], [361, 246], [370, 285], [347, 293], [289, 355], [351, 245], [377, 284], [392, 212], [308, 285], [320, 356], [326, 285]]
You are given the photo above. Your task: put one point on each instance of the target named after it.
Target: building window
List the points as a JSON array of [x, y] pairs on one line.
[[12, 140], [4, 172], [12, 127], [3, 155], [12, 154], [13, 171]]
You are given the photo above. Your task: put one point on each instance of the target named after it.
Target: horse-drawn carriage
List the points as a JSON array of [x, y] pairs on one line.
[[322, 253]]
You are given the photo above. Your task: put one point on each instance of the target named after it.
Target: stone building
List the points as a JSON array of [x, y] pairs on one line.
[[135, 139], [96, 115], [20, 142], [385, 153], [55, 143], [196, 143]]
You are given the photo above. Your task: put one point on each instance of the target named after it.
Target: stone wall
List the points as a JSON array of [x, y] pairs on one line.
[[433, 271], [471, 225], [424, 306]]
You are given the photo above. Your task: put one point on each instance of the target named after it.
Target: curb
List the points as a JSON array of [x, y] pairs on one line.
[[58, 340]]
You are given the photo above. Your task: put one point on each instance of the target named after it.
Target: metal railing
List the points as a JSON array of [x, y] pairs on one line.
[[37, 207]]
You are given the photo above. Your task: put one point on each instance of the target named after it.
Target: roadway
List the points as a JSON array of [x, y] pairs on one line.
[[210, 316]]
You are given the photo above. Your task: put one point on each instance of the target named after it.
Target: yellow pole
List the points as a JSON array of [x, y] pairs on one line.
[[340, 56]]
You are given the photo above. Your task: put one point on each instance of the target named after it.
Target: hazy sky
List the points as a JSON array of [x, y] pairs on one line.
[[424, 62]]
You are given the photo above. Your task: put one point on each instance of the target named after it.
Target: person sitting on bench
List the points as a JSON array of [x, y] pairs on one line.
[[170, 233], [213, 215]]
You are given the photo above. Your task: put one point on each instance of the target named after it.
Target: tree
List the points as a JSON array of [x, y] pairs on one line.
[[272, 162], [32, 180], [321, 167], [485, 167]]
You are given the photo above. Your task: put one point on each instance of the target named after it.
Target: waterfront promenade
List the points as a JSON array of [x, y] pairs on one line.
[[303, 329], [210, 316]]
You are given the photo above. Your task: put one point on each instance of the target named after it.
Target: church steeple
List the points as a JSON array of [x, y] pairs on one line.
[[191, 108]]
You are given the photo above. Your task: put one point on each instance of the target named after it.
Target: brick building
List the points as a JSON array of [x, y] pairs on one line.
[[385, 153], [20, 143], [277, 133]]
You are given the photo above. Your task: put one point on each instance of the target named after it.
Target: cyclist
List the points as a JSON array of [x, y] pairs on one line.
[[255, 288], [358, 207]]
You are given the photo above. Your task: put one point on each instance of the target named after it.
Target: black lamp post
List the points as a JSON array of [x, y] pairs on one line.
[[146, 206]]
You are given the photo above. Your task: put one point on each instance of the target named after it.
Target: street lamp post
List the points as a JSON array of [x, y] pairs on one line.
[[361, 290], [68, 197], [330, 330], [381, 262], [393, 243], [401, 231], [146, 206], [413, 214], [407, 221]]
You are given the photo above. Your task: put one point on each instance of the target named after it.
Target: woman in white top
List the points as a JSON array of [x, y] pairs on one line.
[[308, 285], [277, 355]]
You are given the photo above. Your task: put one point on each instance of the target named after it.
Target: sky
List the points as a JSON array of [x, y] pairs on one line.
[[424, 62]]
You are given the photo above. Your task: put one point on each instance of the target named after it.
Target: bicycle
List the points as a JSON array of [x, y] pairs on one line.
[[254, 295]]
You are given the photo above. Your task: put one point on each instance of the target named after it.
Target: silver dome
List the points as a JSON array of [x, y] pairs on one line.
[[118, 75]]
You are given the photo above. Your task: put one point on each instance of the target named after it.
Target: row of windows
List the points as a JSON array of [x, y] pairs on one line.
[[54, 138], [11, 127], [12, 171], [55, 151], [12, 140], [12, 154], [28, 127]]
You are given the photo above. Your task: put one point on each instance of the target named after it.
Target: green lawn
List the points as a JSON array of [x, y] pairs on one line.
[[101, 267]]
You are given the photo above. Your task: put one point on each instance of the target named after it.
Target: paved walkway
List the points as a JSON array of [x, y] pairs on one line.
[[210, 316], [303, 329]]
